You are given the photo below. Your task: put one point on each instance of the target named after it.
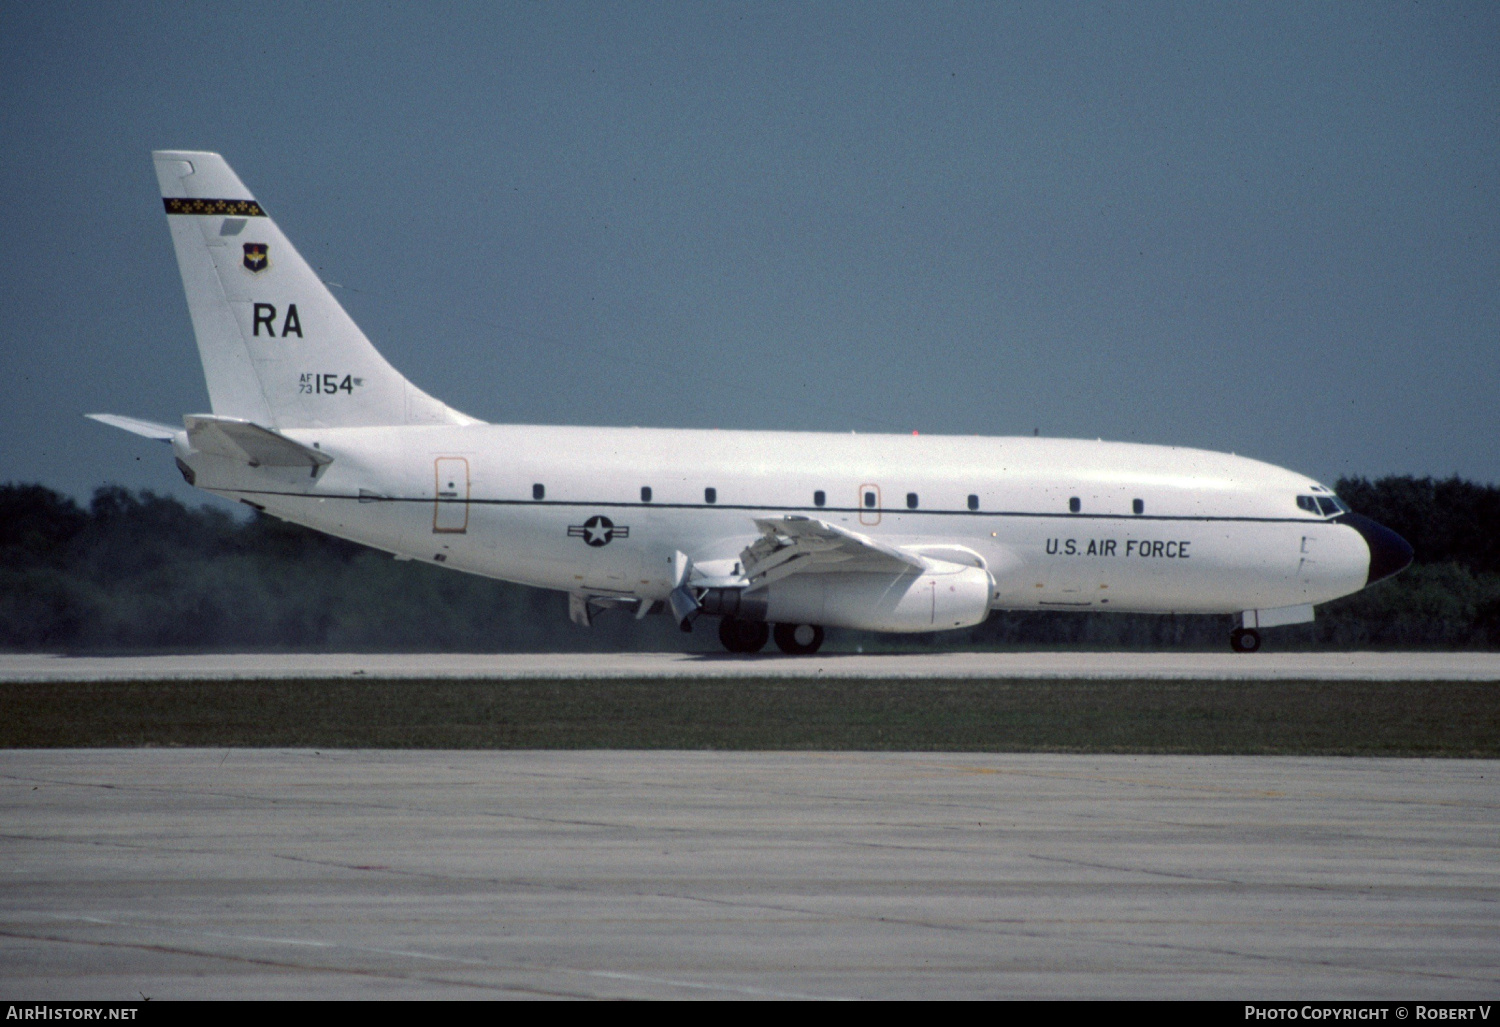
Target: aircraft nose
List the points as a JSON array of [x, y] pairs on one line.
[[1389, 552]]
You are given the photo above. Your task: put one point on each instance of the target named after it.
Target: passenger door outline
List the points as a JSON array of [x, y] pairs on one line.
[[450, 495]]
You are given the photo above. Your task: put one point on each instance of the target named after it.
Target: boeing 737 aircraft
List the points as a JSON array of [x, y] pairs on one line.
[[774, 533]]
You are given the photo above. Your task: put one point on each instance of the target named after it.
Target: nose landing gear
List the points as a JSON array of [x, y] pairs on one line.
[[1244, 640]]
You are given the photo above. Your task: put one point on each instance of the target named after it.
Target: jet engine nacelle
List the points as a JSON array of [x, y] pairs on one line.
[[940, 598]]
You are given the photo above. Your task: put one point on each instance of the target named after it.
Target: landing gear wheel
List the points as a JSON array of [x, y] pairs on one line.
[[1244, 640], [799, 639], [743, 636]]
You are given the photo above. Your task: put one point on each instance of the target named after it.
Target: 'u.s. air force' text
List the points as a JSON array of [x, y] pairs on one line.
[[1140, 549]]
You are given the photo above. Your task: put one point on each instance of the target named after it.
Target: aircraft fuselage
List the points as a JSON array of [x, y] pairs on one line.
[[568, 508]]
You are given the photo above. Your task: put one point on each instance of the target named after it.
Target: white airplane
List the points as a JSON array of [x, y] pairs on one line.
[[796, 530]]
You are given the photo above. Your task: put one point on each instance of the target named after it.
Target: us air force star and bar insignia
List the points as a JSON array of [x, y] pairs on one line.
[[598, 530], [257, 257]]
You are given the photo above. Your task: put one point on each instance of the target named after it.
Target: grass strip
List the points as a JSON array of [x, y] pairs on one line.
[[1421, 718]]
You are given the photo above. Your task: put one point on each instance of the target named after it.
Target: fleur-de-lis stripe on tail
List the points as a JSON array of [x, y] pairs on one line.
[[231, 208]]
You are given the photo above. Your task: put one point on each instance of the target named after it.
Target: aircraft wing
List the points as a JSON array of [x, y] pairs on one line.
[[792, 544], [146, 429], [242, 440]]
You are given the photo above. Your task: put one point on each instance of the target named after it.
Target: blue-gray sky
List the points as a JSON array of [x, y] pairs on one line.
[[1266, 228]]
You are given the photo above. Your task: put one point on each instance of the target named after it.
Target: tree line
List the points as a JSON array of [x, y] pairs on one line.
[[133, 572]]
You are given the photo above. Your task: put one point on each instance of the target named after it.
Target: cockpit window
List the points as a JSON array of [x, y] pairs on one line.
[[1323, 506]]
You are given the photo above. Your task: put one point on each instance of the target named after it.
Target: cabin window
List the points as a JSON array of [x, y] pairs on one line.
[[973, 502], [869, 500], [819, 498], [710, 495], [645, 493], [1074, 505], [1138, 505], [1307, 503], [538, 491], [911, 500]]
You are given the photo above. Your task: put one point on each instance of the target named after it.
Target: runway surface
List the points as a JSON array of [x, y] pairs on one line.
[[272, 874], [1357, 666]]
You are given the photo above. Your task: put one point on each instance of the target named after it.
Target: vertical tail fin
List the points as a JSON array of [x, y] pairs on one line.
[[277, 348]]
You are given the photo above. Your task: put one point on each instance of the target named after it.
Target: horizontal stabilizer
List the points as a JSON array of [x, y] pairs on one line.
[[147, 429], [241, 440]]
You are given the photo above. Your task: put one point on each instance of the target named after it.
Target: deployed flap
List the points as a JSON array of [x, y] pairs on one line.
[[583, 605], [148, 429], [578, 609], [240, 440], [795, 543]]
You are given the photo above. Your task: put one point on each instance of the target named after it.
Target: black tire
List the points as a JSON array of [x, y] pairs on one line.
[[788, 642], [1244, 640], [743, 636]]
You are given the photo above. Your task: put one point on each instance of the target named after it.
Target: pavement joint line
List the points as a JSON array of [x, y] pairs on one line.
[[1211, 789], [282, 965], [289, 801], [737, 989], [1100, 666], [1198, 878], [982, 927], [433, 957], [284, 800]]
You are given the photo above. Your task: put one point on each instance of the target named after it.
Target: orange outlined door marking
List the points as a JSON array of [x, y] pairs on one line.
[[450, 508], [869, 504]]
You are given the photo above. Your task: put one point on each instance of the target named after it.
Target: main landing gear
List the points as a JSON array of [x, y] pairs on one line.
[[799, 639], [1244, 640], [743, 636], [748, 636]]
